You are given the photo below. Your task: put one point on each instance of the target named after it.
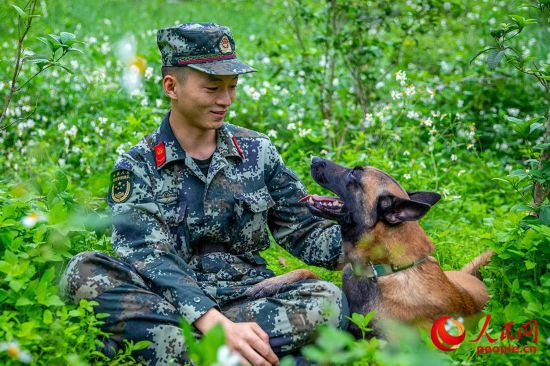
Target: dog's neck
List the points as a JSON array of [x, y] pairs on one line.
[[398, 245]]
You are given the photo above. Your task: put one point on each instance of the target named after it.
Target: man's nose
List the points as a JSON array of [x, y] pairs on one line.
[[224, 98]]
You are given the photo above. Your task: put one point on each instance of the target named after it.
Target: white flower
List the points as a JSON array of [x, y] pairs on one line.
[[292, 126], [431, 92], [410, 90], [401, 76], [406, 153], [148, 73], [368, 120], [14, 351], [395, 95], [226, 357], [413, 114], [32, 218], [513, 112], [454, 157], [158, 103], [407, 176], [427, 122], [460, 103], [272, 133], [323, 61], [302, 132]]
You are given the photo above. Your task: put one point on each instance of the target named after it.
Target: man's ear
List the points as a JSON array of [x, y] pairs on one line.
[[169, 83], [394, 209], [429, 198]]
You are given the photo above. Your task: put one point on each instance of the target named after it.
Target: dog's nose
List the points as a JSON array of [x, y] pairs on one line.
[[315, 160]]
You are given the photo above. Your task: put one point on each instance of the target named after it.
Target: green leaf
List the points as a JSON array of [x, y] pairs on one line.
[[518, 173], [141, 345], [494, 58], [47, 317], [481, 52], [54, 300], [544, 215], [20, 11], [530, 265], [536, 126], [23, 301], [67, 38], [72, 49], [521, 207]]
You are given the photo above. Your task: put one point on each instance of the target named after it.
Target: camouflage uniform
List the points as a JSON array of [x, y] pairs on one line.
[[189, 242]]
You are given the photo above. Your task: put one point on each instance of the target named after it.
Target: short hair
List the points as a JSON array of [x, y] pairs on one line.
[[180, 72]]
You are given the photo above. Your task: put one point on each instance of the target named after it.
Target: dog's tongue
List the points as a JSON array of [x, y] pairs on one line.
[[317, 198]]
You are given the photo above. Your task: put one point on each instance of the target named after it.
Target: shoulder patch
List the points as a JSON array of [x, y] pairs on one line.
[[122, 185]]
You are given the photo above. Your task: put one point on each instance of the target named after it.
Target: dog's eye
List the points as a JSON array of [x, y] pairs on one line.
[[354, 175]]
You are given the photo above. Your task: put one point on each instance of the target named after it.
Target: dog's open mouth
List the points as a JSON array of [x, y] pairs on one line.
[[327, 207]]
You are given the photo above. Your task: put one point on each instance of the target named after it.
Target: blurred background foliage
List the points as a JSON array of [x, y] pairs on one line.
[[396, 85]]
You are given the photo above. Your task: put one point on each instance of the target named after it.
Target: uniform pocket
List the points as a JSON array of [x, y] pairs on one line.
[[171, 208], [251, 210]]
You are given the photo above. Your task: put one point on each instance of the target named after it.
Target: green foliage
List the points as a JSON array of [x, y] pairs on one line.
[[203, 352], [336, 347], [389, 84], [362, 322]]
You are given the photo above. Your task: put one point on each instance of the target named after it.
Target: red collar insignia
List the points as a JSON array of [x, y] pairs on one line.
[[238, 147], [160, 154]]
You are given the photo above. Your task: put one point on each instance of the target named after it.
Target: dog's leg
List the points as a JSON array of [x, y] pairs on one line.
[[472, 268], [271, 286]]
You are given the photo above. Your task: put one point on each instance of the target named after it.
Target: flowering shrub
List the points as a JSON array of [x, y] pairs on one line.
[[389, 84]]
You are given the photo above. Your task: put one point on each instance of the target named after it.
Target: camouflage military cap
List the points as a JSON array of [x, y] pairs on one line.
[[206, 47]]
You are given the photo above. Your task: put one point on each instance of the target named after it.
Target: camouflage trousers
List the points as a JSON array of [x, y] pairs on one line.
[[137, 313]]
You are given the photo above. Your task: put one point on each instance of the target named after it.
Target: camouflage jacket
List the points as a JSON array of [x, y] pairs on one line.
[[196, 239]]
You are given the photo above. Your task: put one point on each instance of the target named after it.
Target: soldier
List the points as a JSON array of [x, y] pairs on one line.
[[191, 204]]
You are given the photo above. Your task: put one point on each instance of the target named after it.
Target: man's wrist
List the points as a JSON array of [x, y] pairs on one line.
[[209, 319]]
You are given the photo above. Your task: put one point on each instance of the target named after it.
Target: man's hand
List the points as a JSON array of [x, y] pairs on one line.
[[248, 339]]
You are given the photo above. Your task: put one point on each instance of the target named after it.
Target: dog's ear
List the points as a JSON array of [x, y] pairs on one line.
[[394, 209], [429, 198]]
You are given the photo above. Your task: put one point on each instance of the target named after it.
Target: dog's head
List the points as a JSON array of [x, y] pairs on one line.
[[371, 206]]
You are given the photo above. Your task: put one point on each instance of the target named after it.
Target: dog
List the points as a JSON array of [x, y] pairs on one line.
[[388, 267]]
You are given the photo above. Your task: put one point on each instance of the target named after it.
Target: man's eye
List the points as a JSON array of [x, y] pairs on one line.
[[233, 86], [212, 88]]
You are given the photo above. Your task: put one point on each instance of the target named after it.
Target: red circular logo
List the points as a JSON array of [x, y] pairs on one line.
[[441, 337]]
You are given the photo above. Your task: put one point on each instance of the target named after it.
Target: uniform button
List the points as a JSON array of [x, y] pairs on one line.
[[197, 299]]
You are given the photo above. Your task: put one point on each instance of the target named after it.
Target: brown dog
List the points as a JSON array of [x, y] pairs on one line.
[[388, 269]]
